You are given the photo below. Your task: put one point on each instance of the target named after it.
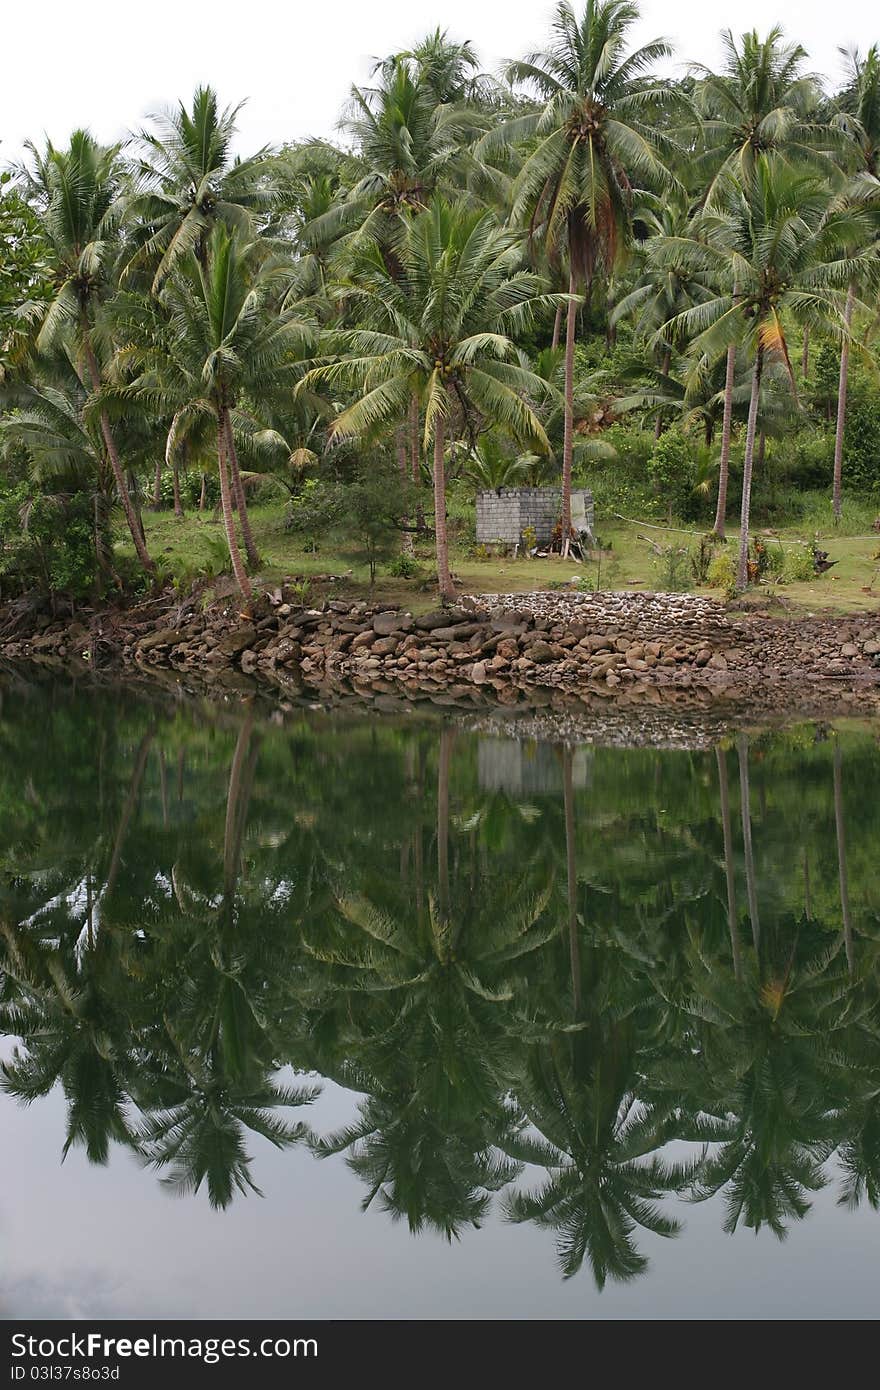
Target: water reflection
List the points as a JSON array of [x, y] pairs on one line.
[[566, 984]]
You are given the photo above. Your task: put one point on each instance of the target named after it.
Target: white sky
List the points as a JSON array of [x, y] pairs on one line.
[[107, 66]]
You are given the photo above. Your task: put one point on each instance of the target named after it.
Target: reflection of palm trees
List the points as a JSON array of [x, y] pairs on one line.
[[842, 872], [742, 748], [598, 1143], [730, 880]]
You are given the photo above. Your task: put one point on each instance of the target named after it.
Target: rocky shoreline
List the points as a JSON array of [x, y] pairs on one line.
[[524, 651]]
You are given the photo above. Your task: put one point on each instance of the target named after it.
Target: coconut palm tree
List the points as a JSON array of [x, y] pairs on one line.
[[775, 252], [77, 193], [226, 340], [435, 327], [186, 180], [859, 122], [592, 141], [761, 101]]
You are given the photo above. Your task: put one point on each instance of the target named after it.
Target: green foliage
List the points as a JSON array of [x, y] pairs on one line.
[[46, 542], [721, 572], [405, 566]]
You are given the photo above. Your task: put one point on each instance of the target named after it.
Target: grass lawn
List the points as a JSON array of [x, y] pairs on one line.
[[195, 546]]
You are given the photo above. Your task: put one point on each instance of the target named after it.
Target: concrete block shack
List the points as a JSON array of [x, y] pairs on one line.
[[505, 513]]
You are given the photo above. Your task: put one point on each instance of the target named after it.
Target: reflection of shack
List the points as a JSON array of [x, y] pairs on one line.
[[528, 768], [505, 515]]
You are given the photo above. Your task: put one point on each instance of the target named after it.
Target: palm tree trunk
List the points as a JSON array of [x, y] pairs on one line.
[[115, 463], [175, 473], [842, 386], [742, 569], [444, 578], [557, 328], [240, 499], [203, 495], [232, 836], [128, 810], [414, 460], [724, 794], [403, 465], [805, 355], [238, 568], [574, 955], [664, 372], [842, 873], [742, 748], [726, 430], [568, 433], [157, 486]]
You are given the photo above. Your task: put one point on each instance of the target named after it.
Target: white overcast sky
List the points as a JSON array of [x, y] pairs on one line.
[[107, 66]]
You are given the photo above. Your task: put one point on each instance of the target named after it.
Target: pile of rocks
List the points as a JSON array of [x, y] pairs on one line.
[[607, 644]]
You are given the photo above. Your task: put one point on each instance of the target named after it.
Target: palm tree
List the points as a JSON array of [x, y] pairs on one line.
[[760, 102], [438, 324], [774, 251], [77, 192], [186, 181], [592, 140], [226, 340], [859, 121]]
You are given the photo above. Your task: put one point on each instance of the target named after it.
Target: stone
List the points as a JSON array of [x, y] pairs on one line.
[[540, 653], [849, 649], [165, 637], [385, 646], [718, 662], [479, 674], [384, 624], [231, 643]]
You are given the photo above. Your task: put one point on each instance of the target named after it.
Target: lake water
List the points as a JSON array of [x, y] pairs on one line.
[[339, 1015]]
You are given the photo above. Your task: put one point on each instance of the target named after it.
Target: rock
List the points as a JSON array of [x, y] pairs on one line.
[[717, 662], [231, 643], [165, 637], [385, 646], [540, 653], [872, 647], [849, 649], [384, 624], [443, 617], [479, 674]]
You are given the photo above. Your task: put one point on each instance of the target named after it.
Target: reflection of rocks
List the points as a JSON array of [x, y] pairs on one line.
[[526, 767]]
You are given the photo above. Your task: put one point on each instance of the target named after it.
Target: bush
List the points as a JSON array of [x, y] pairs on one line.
[[47, 542], [721, 572], [798, 566], [404, 566]]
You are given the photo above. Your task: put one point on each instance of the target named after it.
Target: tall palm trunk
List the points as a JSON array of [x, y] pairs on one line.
[[238, 568], [557, 327], [403, 465], [664, 372], [175, 473], [568, 433], [842, 872], [742, 749], [444, 578], [574, 954], [726, 430], [203, 495], [742, 569], [157, 485], [805, 355], [842, 386], [724, 794], [238, 493], [115, 463], [414, 460]]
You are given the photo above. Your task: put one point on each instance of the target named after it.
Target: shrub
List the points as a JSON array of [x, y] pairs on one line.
[[721, 572], [404, 566], [798, 566]]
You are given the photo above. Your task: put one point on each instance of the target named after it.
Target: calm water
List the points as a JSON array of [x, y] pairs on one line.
[[383, 1018]]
